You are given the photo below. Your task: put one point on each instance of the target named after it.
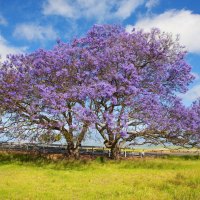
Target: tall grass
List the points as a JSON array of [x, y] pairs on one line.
[[34, 177]]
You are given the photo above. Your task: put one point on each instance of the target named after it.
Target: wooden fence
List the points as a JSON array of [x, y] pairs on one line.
[[89, 150]]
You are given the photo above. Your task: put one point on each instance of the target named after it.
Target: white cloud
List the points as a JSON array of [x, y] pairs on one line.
[[3, 21], [93, 9], [5, 48], [59, 7], [182, 22], [35, 32], [151, 4], [196, 75], [126, 7], [192, 94]]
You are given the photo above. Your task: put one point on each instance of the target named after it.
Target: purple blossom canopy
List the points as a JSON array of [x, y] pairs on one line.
[[123, 83]]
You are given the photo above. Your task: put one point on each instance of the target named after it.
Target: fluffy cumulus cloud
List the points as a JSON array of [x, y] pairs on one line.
[[196, 75], [182, 22], [192, 94], [35, 32], [6, 48], [151, 4], [126, 7], [100, 10]]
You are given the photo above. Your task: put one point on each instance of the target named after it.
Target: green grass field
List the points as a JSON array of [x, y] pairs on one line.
[[27, 177]]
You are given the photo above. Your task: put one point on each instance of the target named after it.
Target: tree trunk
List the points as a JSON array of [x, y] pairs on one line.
[[72, 151], [73, 148], [115, 152]]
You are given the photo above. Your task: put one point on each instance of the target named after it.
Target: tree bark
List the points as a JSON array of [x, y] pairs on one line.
[[73, 147], [114, 148], [72, 151], [115, 152]]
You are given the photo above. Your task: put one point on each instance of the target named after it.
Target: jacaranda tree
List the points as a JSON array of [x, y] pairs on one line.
[[122, 84], [135, 80], [41, 97]]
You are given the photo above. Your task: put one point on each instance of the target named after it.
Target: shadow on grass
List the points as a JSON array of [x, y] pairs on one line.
[[183, 157], [152, 165], [42, 161], [163, 163]]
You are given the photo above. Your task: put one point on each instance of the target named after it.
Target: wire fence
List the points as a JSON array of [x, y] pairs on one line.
[[91, 150]]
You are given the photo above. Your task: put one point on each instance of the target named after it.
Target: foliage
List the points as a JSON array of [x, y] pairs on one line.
[[122, 84]]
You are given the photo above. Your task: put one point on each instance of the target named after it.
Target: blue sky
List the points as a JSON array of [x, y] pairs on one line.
[[26, 25]]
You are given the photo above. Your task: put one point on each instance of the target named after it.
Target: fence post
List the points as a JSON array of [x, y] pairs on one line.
[[109, 153], [125, 153], [92, 151]]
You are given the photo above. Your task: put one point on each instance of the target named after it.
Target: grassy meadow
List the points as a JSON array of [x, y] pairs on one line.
[[31, 177]]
